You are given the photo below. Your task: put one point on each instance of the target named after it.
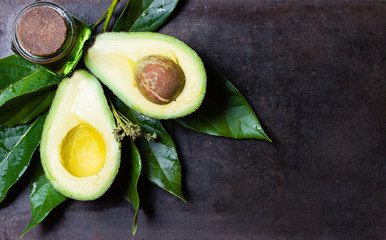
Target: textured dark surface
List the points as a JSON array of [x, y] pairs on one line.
[[314, 71]]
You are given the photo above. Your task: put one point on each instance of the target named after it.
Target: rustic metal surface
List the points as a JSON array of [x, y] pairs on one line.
[[314, 71]]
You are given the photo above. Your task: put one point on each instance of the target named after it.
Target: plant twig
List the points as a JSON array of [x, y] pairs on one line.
[[99, 20], [110, 12], [126, 128]]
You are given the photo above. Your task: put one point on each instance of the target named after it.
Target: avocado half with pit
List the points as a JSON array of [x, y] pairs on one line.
[[154, 74], [79, 154]]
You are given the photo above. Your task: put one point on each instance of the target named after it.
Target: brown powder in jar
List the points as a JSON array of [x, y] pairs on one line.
[[41, 31]]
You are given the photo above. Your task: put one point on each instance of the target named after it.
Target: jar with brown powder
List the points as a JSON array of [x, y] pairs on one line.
[[45, 33]]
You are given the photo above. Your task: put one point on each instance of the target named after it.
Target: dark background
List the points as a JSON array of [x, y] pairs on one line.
[[314, 72]]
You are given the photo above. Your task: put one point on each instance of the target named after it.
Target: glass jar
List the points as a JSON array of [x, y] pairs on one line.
[[45, 33]]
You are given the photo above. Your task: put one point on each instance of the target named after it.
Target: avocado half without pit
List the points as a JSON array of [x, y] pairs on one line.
[[154, 74], [79, 153]]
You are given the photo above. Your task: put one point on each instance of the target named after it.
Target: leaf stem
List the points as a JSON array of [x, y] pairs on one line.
[[110, 12], [99, 20]]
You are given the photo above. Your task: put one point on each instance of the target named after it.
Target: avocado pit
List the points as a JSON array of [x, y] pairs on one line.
[[83, 151], [159, 79], [118, 60]]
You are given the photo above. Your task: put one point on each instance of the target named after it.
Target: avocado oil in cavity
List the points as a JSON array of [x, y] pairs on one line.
[[45, 33]]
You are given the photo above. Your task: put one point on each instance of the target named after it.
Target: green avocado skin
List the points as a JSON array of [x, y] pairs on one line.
[[56, 119], [106, 42]]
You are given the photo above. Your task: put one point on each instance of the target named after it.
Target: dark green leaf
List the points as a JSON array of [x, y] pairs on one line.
[[131, 166], [159, 158], [168, 126], [43, 197], [20, 82], [144, 15], [224, 112], [17, 144], [26, 108]]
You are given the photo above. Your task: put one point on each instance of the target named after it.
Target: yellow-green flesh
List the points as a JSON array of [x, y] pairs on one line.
[[112, 59], [78, 151]]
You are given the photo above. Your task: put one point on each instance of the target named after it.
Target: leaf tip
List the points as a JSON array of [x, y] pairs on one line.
[[262, 135], [134, 230], [25, 231], [267, 139], [183, 199]]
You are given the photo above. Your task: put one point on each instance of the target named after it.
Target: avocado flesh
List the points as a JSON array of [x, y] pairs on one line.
[[79, 154], [112, 58]]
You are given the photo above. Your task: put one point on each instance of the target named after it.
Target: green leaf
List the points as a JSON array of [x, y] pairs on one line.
[[144, 15], [159, 158], [224, 112], [43, 197], [21, 82], [168, 126], [26, 108], [131, 166], [17, 145]]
